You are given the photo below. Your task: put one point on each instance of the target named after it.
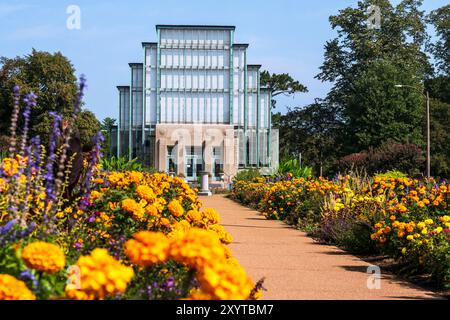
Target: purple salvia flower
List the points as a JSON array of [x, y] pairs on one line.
[[14, 118], [95, 156], [12, 232], [50, 194], [28, 169], [28, 276], [7, 227], [36, 155], [30, 102]]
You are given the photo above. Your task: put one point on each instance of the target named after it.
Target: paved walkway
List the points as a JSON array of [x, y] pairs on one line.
[[295, 267]]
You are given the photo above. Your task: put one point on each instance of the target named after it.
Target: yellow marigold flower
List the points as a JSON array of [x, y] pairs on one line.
[[68, 210], [175, 208], [135, 176], [43, 256], [3, 185], [197, 248], [429, 222], [10, 166], [98, 180], [147, 248], [131, 206], [145, 192], [197, 294], [225, 281], [14, 289], [210, 216], [403, 251], [410, 237], [438, 230], [112, 205], [194, 216], [164, 222], [151, 210], [95, 195], [100, 276], [224, 236], [421, 225], [401, 208], [228, 253]]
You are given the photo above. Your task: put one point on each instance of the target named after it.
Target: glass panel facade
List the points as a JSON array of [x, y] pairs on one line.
[[196, 75]]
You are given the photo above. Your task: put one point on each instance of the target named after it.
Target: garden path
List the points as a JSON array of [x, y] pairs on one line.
[[295, 266]]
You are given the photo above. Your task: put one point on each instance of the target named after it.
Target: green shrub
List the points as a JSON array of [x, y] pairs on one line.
[[293, 167], [123, 164], [391, 156], [395, 174], [247, 175]]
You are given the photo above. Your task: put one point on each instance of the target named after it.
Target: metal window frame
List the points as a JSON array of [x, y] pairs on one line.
[[231, 104]]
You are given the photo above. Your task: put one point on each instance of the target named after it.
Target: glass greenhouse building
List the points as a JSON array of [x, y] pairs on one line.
[[195, 105]]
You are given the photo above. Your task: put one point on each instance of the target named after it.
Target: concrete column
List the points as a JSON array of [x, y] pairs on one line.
[[205, 185], [229, 161], [181, 157], [162, 155], [208, 156]]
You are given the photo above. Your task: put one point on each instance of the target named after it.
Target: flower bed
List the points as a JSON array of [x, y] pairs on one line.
[[404, 218], [140, 236], [84, 233]]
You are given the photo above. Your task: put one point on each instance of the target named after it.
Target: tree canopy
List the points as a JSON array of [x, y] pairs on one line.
[[52, 78], [364, 109], [281, 84]]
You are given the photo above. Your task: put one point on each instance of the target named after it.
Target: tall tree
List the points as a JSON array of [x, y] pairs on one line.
[[313, 133], [440, 19], [438, 85], [281, 84], [52, 78], [362, 61], [107, 127]]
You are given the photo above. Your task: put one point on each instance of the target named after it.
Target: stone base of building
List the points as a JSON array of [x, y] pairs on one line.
[[189, 149]]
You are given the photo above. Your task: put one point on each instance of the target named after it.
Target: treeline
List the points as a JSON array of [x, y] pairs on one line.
[[367, 115]]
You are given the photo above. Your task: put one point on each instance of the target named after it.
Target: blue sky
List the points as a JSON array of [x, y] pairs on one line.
[[284, 36]]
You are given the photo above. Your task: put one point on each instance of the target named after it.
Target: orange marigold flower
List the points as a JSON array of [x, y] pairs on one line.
[[145, 192], [131, 206], [43, 256], [100, 276], [151, 210], [14, 289], [175, 208], [147, 248], [194, 216]]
